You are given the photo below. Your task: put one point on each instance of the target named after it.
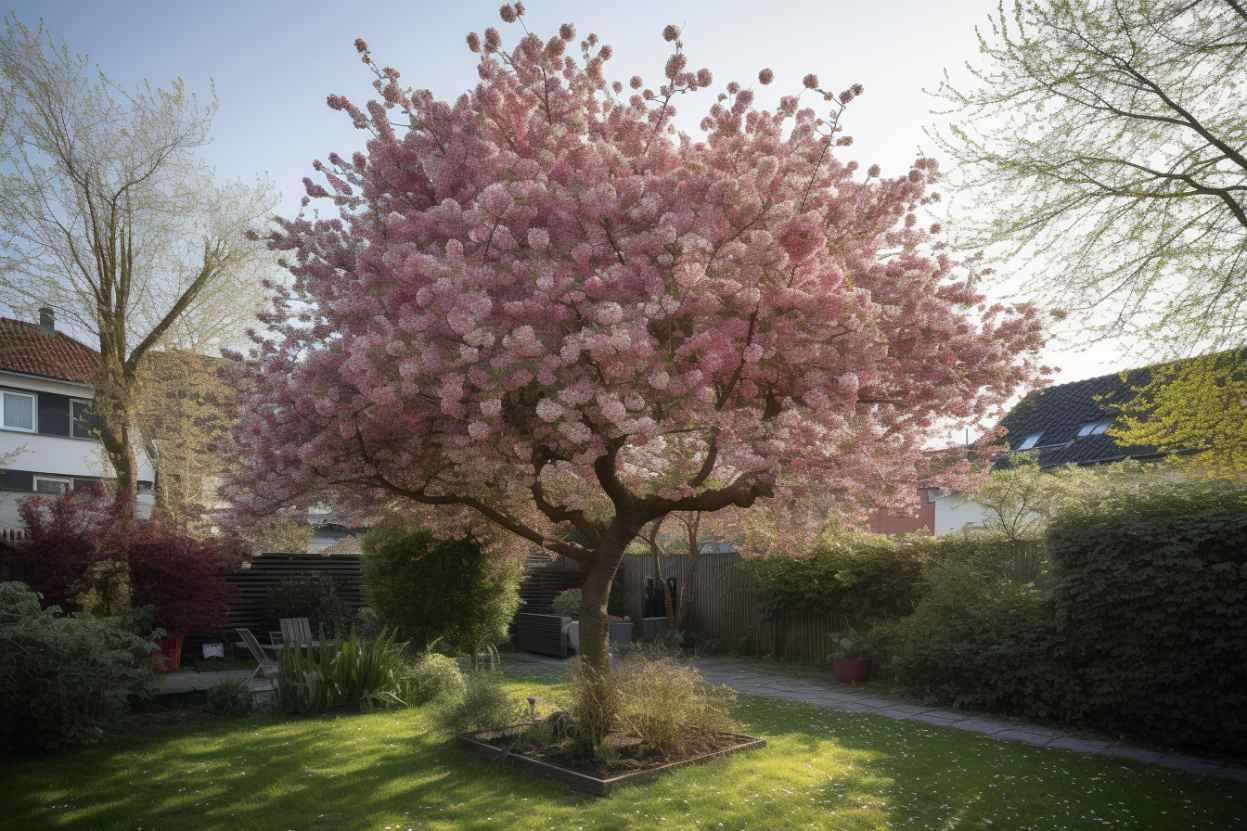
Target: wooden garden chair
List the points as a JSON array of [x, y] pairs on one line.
[[266, 667], [296, 630]]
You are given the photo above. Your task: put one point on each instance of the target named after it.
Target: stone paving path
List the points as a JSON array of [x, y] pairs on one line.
[[755, 678]]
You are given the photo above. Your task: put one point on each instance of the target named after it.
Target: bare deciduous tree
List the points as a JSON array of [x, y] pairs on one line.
[[108, 214]]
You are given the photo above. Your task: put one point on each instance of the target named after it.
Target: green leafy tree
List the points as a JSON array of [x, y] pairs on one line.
[[1195, 412], [1109, 141], [444, 592]]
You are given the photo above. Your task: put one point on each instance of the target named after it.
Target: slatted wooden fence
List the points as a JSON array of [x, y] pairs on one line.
[[726, 607], [256, 580], [544, 577]]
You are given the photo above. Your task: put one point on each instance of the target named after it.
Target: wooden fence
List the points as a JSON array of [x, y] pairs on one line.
[[727, 609], [256, 580]]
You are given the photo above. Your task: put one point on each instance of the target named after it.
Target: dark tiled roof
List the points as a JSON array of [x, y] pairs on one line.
[[29, 349], [1057, 413]]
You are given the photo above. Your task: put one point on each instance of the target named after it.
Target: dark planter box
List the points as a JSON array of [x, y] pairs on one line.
[[653, 628], [851, 670], [479, 744]]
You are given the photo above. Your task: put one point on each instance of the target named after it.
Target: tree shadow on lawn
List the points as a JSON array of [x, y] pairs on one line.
[[822, 769]]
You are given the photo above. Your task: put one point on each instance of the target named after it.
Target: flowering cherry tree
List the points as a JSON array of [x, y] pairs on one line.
[[532, 294]]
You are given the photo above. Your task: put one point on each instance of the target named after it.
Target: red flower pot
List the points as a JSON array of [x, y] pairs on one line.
[[850, 670], [171, 650]]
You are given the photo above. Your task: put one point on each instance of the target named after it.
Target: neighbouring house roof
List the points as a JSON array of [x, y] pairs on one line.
[[1058, 414], [30, 349]]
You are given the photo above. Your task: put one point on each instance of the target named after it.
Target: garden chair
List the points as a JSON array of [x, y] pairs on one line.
[[265, 666], [275, 639], [297, 630]]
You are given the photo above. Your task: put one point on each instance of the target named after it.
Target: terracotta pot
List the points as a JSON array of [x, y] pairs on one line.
[[171, 650], [850, 670]]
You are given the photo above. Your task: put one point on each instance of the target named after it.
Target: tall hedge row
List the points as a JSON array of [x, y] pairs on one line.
[[1150, 599]]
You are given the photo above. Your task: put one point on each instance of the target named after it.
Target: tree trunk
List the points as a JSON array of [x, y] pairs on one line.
[[112, 408], [595, 594]]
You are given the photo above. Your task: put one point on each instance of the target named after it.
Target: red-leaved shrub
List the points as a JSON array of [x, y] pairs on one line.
[[182, 579]]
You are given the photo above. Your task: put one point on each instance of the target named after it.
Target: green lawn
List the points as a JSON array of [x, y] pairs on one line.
[[395, 770]]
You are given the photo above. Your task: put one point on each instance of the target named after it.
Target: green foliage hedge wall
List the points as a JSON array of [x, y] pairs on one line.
[[1151, 598]]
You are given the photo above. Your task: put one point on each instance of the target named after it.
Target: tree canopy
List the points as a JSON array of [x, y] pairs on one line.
[[1106, 145], [530, 291]]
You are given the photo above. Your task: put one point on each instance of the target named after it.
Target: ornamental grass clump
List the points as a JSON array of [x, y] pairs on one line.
[[354, 674], [485, 705], [671, 708]]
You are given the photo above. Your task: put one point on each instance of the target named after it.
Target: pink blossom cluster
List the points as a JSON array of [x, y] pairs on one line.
[[542, 280]]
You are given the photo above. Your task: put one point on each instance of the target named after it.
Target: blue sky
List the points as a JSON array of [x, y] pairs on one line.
[[274, 62]]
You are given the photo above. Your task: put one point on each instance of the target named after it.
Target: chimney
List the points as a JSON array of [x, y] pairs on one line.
[[47, 319]]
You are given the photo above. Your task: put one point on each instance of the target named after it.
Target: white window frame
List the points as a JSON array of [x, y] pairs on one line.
[[1029, 442], [85, 402], [34, 411], [68, 483]]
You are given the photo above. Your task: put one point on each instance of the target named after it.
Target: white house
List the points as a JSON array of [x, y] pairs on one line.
[[47, 436]]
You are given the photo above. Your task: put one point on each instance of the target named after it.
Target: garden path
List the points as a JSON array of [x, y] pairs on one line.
[[756, 677]]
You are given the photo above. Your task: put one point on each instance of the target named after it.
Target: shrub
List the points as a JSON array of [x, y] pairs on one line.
[[313, 596], [485, 705], [356, 673], [979, 639], [671, 707], [63, 679], [1151, 596], [454, 592], [857, 579], [567, 603], [434, 678], [68, 536], [181, 578], [85, 555], [231, 697]]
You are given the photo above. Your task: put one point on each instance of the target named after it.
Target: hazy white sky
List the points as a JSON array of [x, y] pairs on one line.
[[274, 62]]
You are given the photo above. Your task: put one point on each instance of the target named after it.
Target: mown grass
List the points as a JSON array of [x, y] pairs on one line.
[[396, 770]]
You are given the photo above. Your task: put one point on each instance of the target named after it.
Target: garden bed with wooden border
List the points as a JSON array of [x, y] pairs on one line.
[[482, 744]]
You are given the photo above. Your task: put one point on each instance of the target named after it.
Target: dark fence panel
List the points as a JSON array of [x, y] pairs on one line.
[[256, 579], [544, 577]]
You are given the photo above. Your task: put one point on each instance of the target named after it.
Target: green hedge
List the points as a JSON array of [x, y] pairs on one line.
[[1151, 597], [856, 579], [980, 637], [1139, 626]]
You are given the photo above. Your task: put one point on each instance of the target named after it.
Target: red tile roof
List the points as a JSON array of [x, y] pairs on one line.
[[29, 349]]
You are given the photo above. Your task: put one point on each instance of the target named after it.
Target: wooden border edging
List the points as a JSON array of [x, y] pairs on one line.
[[473, 743]]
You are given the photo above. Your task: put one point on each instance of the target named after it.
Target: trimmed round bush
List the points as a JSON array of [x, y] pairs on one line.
[[435, 678]]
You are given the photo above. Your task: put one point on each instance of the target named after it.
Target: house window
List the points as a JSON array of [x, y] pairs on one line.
[[1095, 428], [1029, 442], [52, 485], [19, 411], [82, 422]]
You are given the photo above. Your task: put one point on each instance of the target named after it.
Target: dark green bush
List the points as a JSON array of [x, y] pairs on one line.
[[1151, 595], [979, 638], [454, 593], [64, 679], [855, 579], [313, 596]]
